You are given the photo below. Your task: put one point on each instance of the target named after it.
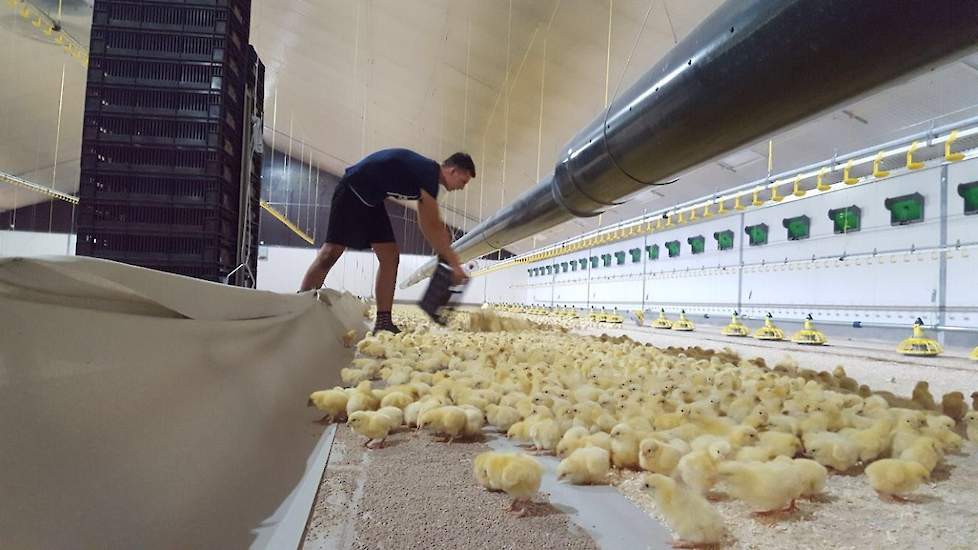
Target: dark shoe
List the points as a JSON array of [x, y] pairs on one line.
[[392, 328]]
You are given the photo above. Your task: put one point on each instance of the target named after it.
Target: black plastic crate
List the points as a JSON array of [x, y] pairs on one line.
[[143, 247], [157, 130], [198, 161], [217, 16], [160, 45], [154, 73], [158, 189], [197, 270], [150, 101], [159, 218]]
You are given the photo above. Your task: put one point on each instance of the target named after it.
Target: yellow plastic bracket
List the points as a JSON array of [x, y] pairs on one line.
[[948, 155], [287, 222], [692, 214], [911, 165], [658, 223], [722, 209], [737, 205], [774, 194], [877, 173], [845, 175], [820, 182], [669, 221], [707, 213], [796, 189], [756, 198]]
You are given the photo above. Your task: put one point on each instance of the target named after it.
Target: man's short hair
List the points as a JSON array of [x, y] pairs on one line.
[[463, 161]]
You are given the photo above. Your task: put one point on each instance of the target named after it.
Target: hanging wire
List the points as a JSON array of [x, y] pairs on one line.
[[465, 112], [543, 81], [57, 140], [607, 66], [315, 212], [268, 197], [287, 165], [298, 197]]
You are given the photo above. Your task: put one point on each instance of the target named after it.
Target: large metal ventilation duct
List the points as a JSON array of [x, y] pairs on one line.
[[752, 68]]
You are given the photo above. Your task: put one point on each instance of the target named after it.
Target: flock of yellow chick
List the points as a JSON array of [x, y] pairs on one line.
[[693, 420]]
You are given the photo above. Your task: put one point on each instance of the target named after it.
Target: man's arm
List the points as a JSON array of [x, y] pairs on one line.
[[437, 233]]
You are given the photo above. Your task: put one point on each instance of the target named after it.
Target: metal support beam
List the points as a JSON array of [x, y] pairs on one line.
[[31, 186]]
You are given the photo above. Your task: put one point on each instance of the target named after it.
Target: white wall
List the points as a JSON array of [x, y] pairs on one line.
[[28, 244], [284, 267], [889, 275]]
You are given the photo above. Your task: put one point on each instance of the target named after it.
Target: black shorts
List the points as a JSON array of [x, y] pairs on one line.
[[355, 225]]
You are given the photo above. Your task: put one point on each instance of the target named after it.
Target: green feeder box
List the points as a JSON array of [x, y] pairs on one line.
[[673, 248], [798, 227], [697, 244], [594, 262], [583, 262], [846, 220], [636, 255], [905, 209], [757, 234], [969, 192], [620, 257], [653, 250], [605, 260], [725, 239]]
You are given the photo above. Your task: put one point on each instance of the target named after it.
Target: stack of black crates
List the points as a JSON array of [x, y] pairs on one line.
[[172, 139]]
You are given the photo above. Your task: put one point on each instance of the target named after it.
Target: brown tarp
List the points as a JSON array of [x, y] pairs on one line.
[[143, 410]]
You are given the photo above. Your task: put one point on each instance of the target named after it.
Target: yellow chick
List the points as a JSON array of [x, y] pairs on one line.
[[940, 428], [767, 487], [658, 457], [349, 338], [893, 478], [395, 415], [624, 446], [352, 376], [331, 402], [585, 466], [371, 347], [450, 422], [779, 443], [516, 474], [924, 451], [360, 401], [502, 416], [832, 450], [698, 469], [545, 434], [754, 454], [372, 425], [572, 440], [971, 426], [872, 441], [811, 475], [396, 399], [474, 421], [693, 520]]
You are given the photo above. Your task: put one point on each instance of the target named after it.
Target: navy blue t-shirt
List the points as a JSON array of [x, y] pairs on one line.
[[395, 173]]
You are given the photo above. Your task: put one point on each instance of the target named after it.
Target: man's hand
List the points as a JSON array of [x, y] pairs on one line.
[[458, 274]]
